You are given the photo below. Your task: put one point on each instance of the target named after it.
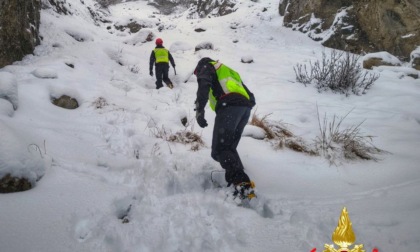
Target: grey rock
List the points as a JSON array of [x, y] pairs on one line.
[[19, 33], [9, 184], [66, 102]]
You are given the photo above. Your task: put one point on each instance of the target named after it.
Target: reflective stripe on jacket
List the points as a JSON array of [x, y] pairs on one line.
[[230, 82], [161, 55]]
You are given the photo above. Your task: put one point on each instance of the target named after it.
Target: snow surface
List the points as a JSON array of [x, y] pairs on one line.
[[103, 161]]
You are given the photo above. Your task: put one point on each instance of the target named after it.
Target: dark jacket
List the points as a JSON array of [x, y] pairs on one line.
[[153, 59], [207, 78]]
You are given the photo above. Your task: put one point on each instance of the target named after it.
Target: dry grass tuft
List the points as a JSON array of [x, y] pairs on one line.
[[348, 143], [99, 103], [334, 143], [262, 123], [299, 146], [186, 137], [280, 136], [272, 129]]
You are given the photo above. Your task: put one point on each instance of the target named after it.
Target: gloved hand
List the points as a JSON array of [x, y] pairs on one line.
[[151, 73], [199, 116]]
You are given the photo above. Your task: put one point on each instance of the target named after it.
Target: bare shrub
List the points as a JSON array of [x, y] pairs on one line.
[[349, 143], [340, 73], [302, 74]]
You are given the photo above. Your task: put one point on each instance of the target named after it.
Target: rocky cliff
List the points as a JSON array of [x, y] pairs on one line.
[[196, 8], [19, 24], [357, 25]]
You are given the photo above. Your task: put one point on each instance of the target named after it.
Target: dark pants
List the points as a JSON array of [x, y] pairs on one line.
[[161, 70], [228, 127]]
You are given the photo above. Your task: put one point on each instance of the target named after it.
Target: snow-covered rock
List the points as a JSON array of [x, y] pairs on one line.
[[9, 89], [45, 73], [380, 59], [143, 36], [180, 46], [247, 59], [19, 157], [6, 108]]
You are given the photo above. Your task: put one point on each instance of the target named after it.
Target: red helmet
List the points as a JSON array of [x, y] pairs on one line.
[[159, 41]]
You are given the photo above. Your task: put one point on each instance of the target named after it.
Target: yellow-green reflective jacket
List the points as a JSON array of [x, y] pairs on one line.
[[161, 55], [230, 82]]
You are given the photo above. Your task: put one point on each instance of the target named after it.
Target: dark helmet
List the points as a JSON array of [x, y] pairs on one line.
[[159, 41], [201, 63]]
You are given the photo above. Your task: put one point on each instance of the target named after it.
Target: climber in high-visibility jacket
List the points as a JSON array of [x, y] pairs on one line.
[[232, 101], [161, 57]]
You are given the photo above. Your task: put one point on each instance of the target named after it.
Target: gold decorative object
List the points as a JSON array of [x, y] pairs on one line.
[[343, 236]]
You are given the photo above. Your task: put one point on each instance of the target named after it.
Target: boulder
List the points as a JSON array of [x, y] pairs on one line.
[[247, 59], [66, 102], [180, 46], [143, 36], [9, 184], [133, 25], [416, 63], [380, 59], [415, 59], [200, 29], [204, 45]]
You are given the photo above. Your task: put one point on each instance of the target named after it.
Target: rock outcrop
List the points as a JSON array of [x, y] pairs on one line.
[[358, 26], [196, 8], [19, 33]]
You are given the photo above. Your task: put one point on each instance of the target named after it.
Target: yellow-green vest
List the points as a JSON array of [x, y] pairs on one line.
[[161, 55], [229, 80]]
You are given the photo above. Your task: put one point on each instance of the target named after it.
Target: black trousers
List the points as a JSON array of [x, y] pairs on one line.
[[161, 70], [228, 127]]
